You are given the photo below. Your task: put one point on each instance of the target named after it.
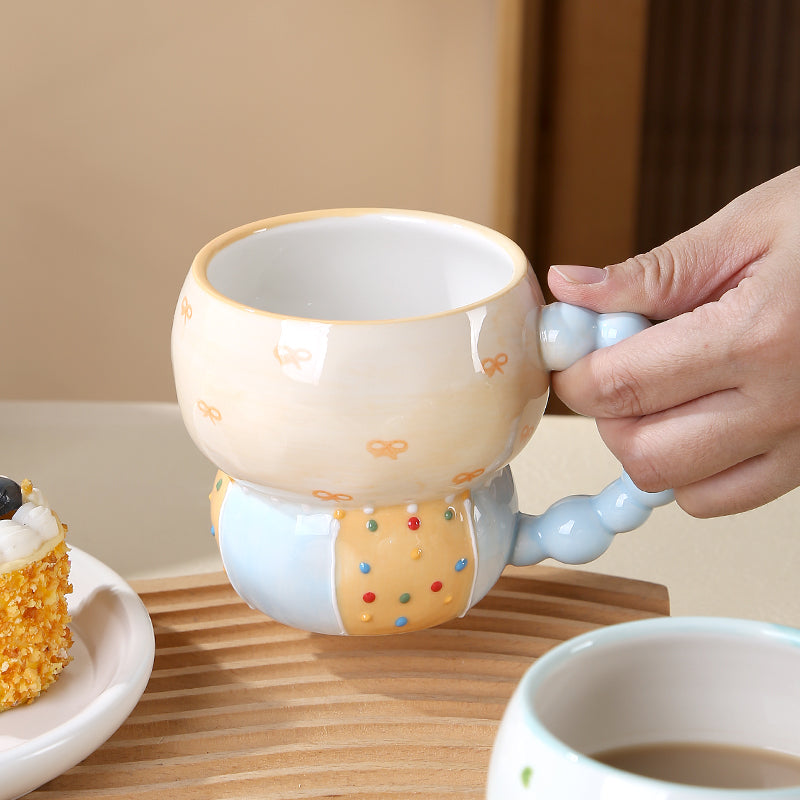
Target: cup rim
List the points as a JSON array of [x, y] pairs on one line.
[[613, 634], [202, 260]]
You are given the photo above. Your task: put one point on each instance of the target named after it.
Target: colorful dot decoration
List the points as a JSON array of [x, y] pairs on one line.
[[525, 776], [407, 599]]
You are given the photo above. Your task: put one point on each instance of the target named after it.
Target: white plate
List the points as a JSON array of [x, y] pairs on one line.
[[112, 659]]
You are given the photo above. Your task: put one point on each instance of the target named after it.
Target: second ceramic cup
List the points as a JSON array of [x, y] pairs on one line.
[[723, 691]]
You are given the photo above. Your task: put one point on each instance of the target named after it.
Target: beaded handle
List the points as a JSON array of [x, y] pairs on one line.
[[578, 529], [567, 333]]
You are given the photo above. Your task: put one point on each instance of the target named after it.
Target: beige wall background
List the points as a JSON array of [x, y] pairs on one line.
[[134, 132]]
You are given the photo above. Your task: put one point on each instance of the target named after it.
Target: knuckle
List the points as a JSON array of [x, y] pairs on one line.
[[656, 271], [638, 453], [644, 470], [761, 341], [696, 504], [766, 333], [656, 265], [619, 390]]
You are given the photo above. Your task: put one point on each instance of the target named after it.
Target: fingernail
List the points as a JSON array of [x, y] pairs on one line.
[[574, 273]]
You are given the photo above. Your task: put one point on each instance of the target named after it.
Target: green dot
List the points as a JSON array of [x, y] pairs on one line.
[[526, 776], [219, 483], [372, 525], [405, 597], [449, 514]]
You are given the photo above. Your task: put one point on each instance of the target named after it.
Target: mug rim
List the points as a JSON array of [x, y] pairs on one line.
[[753, 630], [202, 261]]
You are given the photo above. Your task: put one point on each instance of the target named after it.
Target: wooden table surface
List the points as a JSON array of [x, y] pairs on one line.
[[240, 706]]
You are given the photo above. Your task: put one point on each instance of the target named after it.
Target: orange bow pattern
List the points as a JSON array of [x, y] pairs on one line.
[[466, 477], [378, 448], [209, 411], [288, 355], [527, 431], [186, 310], [321, 494], [496, 364]]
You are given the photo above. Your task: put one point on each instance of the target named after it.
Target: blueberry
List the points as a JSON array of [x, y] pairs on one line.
[[10, 497]]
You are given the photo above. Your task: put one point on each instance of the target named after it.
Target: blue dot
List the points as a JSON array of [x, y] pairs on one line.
[[460, 564], [213, 532], [364, 567], [400, 621]]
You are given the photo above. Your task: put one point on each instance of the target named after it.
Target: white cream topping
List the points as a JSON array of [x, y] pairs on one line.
[[24, 535], [35, 496]]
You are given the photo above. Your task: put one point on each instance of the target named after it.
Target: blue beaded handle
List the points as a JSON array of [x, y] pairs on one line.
[[578, 529], [567, 333]]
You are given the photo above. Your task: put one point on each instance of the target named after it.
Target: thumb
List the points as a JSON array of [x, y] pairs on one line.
[[689, 270]]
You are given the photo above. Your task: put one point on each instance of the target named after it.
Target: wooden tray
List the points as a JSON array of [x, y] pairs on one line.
[[241, 706]]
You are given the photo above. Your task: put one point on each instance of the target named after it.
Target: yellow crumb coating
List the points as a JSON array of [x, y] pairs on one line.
[[34, 635]]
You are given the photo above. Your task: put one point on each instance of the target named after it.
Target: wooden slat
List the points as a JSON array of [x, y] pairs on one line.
[[239, 706]]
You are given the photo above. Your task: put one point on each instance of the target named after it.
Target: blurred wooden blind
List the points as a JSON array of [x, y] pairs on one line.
[[640, 118], [721, 107], [580, 116], [580, 112]]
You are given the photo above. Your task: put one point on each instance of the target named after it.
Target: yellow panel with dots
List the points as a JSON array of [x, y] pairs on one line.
[[404, 568], [217, 495]]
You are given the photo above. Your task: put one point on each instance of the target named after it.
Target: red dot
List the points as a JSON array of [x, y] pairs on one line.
[[436, 586], [369, 597], [413, 523]]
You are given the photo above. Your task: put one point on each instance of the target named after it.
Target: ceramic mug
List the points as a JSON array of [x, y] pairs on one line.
[[706, 683], [362, 379]]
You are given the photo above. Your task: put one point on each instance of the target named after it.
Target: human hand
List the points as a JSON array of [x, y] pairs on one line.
[[708, 401]]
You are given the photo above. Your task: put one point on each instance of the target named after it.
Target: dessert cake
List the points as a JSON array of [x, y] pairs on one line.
[[34, 581]]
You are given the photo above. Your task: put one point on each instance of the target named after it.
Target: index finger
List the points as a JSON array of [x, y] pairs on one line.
[[669, 364]]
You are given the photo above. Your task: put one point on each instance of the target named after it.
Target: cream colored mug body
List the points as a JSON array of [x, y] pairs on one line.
[[362, 378]]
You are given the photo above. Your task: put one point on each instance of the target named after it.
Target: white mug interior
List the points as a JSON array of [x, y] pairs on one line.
[[714, 681], [348, 266]]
